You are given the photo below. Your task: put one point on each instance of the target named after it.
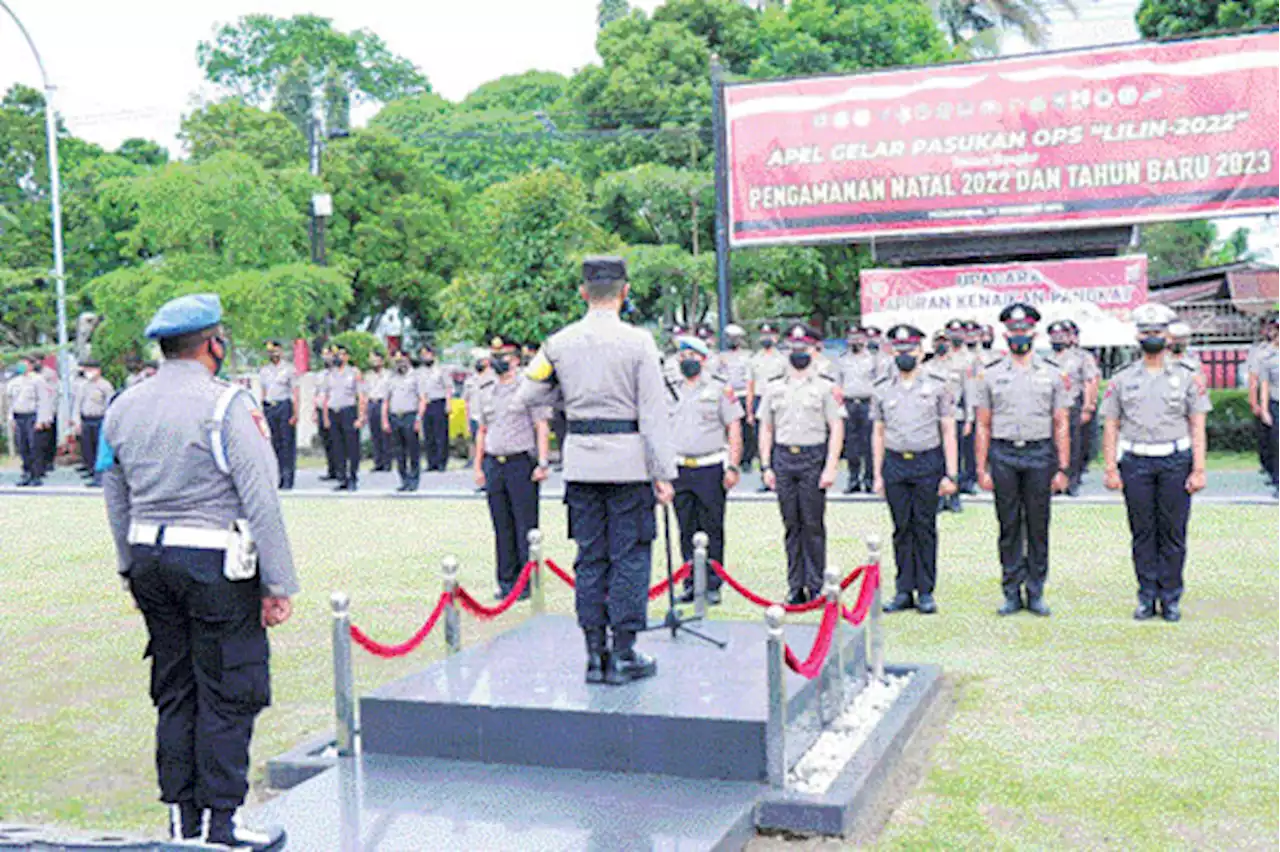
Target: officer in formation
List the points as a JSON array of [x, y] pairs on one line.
[[320, 413], [1088, 412], [189, 476], [375, 390], [92, 398], [280, 402], [1023, 452], [706, 427], [801, 427], [1155, 416], [437, 387], [402, 421], [1080, 379], [1180, 346], [1253, 367], [1268, 395], [345, 408], [914, 463], [33, 402], [734, 366], [954, 362], [511, 451], [618, 458], [765, 363], [859, 371], [472, 384]]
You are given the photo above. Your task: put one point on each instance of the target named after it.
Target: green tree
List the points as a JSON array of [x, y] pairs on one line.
[[608, 11], [1165, 18], [295, 96], [250, 56], [978, 24], [143, 152], [657, 204], [669, 284], [268, 138], [361, 344], [1173, 248], [527, 92], [27, 307]]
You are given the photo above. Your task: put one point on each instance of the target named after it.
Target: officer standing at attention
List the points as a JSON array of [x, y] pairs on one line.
[[1073, 369], [1179, 346], [765, 364], [706, 418], [618, 458], [859, 370], [1268, 396], [375, 390], [959, 369], [345, 407], [735, 369], [402, 421], [914, 463], [33, 411], [968, 482], [435, 384], [513, 442], [801, 438], [320, 415], [1154, 413], [280, 402], [1089, 404], [1023, 450], [86, 416], [189, 475]]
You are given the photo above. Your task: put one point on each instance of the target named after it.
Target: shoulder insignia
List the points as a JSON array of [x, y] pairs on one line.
[[827, 376], [486, 383], [540, 368], [1184, 365], [993, 361], [260, 420], [777, 377], [939, 377], [1051, 362], [880, 381]]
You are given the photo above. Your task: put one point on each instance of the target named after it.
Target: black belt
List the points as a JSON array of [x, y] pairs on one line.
[[911, 454], [797, 449], [862, 399], [271, 403], [508, 458], [1019, 445], [603, 427]]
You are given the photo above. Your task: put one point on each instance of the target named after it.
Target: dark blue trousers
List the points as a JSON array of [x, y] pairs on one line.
[[346, 441], [380, 440], [614, 526], [513, 508], [404, 441], [857, 439], [284, 439], [700, 502], [911, 489], [90, 429], [435, 434], [1155, 494], [30, 445], [803, 505], [1023, 478]]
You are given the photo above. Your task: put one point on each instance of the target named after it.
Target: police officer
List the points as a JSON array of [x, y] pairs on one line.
[[735, 369], [375, 389], [801, 438], [402, 421], [706, 427], [1089, 402], [1268, 395], [954, 362], [859, 370], [345, 407], [986, 337], [914, 463], [1023, 451], [189, 477], [320, 415], [1180, 346], [1155, 415], [512, 445], [435, 384], [968, 482], [1077, 372], [33, 412], [280, 402], [765, 364], [481, 378], [86, 416], [618, 458]]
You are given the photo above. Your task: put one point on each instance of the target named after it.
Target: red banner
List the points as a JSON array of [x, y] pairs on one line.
[[1114, 285], [1114, 135]]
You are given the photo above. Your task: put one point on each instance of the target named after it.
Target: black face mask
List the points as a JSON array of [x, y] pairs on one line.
[[1178, 348], [1058, 346], [906, 362], [502, 366], [800, 360], [275, 357], [971, 344], [873, 346], [402, 368], [855, 347], [1020, 344], [987, 344], [941, 348], [479, 366], [766, 344], [1152, 344], [428, 361], [735, 345], [218, 359], [690, 367], [329, 362]]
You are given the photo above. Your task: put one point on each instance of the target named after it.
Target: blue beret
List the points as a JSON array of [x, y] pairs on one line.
[[184, 315], [694, 344]]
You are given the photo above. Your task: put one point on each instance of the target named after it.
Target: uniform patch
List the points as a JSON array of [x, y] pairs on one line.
[[260, 420], [540, 368]]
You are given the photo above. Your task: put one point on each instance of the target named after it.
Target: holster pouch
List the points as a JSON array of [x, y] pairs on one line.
[[241, 562]]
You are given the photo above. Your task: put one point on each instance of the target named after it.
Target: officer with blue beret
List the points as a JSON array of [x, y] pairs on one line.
[[190, 484]]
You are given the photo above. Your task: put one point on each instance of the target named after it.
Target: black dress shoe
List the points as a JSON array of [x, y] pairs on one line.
[[226, 833], [404, 486], [685, 597], [713, 597], [798, 597], [1073, 490], [1037, 606], [1011, 605], [186, 822], [597, 653], [762, 489], [968, 489], [1146, 611], [328, 478], [852, 488], [22, 483], [342, 486], [623, 667], [926, 604], [954, 500], [1171, 612], [596, 663], [900, 601]]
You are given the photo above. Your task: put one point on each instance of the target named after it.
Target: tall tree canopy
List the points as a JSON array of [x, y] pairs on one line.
[[1164, 18]]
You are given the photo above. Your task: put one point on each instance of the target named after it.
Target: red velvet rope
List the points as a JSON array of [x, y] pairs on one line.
[[866, 596], [560, 572], [821, 645], [388, 651], [681, 574], [485, 613], [758, 600]]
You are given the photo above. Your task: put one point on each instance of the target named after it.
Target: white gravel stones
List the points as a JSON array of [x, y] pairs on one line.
[[837, 745]]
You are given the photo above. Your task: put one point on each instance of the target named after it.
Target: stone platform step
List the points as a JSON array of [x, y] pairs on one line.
[[397, 804], [520, 699]]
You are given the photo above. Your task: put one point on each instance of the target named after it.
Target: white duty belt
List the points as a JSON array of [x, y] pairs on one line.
[[196, 538], [702, 461], [1167, 448]]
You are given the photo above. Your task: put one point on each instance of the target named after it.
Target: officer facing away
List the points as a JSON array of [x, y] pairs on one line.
[[1154, 412], [190, 482], [617, 457]]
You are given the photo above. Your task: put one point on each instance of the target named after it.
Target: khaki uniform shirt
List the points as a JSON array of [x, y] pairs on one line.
[[25, 396], [508, 421], [604, 369], [1268, 369], [859, 372], [403, 392], [1022, 400], [912, 412], [766, 364], [734, 366], [700, 415], [93, 399], [800, 408], [1154, 407], [164, 472], [277, 382], [342, 387], [1254, 359], [471, 386], [374, 384], [433, 382]]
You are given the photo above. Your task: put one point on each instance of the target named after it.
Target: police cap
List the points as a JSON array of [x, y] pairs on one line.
[[1060, 328], [1153, 316], [955, 327], [1180, 330], [693, 344], [904, 337], [500, 346], [604, 268], [734, 330], [767, 329], [1019, 315], [185, 315], [872, 332], [802, 333]]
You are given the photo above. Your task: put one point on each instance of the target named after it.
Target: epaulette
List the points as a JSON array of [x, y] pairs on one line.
[[719, 377], [776, 377], [828, 377], [1050, 361], [938, 376], [1184, 365]]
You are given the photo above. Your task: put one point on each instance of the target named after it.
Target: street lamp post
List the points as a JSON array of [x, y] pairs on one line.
[[55, 212]]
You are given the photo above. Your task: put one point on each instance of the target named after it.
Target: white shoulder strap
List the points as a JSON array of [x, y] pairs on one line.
[[215, 431]]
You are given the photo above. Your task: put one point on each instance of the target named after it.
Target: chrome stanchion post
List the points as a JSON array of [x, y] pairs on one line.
[[833, 669], [875, 627], [452, 619], [537, 593], [700, 542], [775, 732], [344, 697]]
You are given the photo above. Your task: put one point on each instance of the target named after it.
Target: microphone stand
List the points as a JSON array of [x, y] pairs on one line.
[[674, 621]]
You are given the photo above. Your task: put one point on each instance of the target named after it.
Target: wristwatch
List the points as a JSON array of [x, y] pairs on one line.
[[544, 465], [734, 468], [765, 468], [1064, 472]]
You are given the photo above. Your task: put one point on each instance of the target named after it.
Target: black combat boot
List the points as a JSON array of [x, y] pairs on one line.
[[186, 822], [226, 832], [1012, 603], [597, 653], [901, 601], [625, 663], [926, 604], [1037, 606], [1145, 612]]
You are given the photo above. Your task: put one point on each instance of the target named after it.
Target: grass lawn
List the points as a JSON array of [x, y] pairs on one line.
[[1086, 729]]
